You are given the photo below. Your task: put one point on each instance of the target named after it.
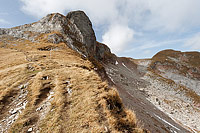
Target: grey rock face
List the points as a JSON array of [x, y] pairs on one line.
[[55, 38], [81, 27], [52, 22], [102, 50]]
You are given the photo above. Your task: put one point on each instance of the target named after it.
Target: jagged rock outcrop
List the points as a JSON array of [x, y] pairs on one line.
[[80, 25], [75, 30], [103, 51], [51, 23]]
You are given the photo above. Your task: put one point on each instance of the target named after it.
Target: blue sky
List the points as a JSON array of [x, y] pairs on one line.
[[133, 28]]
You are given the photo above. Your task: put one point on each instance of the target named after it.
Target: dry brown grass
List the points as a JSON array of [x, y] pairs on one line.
[[120, 119], [93, 106]]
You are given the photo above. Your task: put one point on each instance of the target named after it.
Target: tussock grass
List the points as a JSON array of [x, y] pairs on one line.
[[120, 119]]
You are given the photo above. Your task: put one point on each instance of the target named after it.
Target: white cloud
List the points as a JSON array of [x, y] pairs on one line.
[[117, 37], [162, 16], [194, 42], [168, 15], [172, 15], [99, 11]]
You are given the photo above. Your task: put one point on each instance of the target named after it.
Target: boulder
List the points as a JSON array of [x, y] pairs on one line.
[[81, 27]]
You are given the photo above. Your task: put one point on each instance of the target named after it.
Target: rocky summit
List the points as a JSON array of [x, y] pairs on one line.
[[75, 30], [55, 77]]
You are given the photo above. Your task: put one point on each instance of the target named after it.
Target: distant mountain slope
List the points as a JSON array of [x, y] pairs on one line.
[[170, 81], [141, 92], [181, 67], [178, 93], [51, 80]]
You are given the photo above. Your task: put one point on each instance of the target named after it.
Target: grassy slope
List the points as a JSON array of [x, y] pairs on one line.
[[65, 94]]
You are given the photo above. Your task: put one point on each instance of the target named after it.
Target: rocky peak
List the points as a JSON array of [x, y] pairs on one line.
[[52, 22], [74, 29]]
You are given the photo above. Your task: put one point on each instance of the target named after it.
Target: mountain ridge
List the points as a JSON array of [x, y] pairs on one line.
[[55, 50], [52, 82]]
